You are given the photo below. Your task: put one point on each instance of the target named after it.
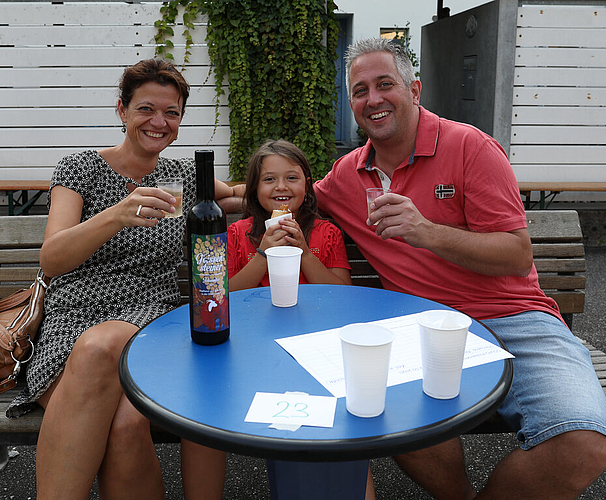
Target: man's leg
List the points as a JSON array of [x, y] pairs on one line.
[[559, 407], [440, 470], [559, 468]]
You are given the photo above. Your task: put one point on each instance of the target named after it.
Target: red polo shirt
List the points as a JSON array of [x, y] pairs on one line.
[[457, 176]]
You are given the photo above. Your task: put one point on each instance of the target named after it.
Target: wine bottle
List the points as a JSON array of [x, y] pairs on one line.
[[207, 259]]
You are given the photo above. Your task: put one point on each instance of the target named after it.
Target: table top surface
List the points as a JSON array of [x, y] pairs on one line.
[[203, 393]]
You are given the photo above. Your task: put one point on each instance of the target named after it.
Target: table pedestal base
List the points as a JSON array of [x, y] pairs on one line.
[[317, 480]]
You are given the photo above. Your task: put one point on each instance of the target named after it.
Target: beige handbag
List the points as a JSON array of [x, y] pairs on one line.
[[20, 317]]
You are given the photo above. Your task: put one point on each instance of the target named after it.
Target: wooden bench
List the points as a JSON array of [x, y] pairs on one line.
[[548, 191], [557, 245]]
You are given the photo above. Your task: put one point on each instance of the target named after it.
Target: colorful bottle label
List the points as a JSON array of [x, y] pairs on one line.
[[210, 291]]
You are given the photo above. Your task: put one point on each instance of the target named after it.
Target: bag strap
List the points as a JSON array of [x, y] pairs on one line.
[[16, 299], [8, 383]]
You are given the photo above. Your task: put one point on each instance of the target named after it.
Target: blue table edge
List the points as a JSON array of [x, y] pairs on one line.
[[313, 449]]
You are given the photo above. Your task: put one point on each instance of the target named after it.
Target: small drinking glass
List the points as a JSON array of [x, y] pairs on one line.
[[174, 187], [372, 194]]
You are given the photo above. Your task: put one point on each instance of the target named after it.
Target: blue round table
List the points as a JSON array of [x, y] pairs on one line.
[[203, 393]]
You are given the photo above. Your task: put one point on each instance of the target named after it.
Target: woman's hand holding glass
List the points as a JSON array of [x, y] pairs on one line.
[[145, 206]]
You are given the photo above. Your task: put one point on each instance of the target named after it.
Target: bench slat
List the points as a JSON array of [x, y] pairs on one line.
[[369, 281], [22, 232], [553, 226], [558, 250], [569, 302], [21, 256], [560, 265], [362, 267], [560, 282], [18, 274]]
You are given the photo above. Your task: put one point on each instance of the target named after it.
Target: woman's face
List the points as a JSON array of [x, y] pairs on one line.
[[282, 182], [152, 118]]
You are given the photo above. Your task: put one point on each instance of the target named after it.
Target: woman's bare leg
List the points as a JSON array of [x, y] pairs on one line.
[[79, 412], [130, 469], [203, 471]]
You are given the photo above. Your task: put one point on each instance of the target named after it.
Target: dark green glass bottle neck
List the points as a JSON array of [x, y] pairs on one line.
[[205, 175]]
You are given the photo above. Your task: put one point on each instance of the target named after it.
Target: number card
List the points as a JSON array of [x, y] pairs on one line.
[[292, 408]]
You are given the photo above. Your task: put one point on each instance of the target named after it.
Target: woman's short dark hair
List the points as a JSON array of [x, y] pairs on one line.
[[152, 70]]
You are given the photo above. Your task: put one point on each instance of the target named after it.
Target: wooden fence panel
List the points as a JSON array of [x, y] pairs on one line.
[[562, 96], [558, 135], [61, 63], [559, 98]]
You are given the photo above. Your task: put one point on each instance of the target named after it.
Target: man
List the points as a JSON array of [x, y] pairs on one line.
[[453, 229]]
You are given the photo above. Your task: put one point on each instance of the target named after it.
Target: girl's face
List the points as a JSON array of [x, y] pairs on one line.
[[281, 182]]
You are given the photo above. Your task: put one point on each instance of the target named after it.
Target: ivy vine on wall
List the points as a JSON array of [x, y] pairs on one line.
[[279, 60]]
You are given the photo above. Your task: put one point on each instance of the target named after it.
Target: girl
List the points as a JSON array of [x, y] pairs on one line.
[[279, 174]]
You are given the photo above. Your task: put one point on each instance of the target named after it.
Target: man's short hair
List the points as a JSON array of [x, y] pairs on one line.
[[369, 45]]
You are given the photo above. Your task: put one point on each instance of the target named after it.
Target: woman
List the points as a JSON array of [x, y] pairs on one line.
[[113, 258]]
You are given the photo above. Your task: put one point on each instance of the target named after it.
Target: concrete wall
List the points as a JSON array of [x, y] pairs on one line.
[[467, 71], [367, 18]]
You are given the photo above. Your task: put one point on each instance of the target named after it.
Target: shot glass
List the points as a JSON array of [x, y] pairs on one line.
[[174, 187], [372, 194]]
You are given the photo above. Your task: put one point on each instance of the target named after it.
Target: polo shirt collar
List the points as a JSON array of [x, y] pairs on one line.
[[426, 143]]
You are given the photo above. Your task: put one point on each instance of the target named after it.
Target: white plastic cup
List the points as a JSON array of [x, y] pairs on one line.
[[284, 264], [366, 350], [173, 187], [443, 336]]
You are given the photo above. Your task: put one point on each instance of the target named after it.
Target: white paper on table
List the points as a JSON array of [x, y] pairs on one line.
[[292, 409], [320, 353]]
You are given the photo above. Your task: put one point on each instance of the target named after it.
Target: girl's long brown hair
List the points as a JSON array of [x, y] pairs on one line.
[[307, 213]]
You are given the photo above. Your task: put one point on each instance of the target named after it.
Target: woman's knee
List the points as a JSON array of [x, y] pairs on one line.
[[98, 349], [129, 427]]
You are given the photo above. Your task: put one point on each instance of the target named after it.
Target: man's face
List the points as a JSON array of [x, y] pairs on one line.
[[382, 104]]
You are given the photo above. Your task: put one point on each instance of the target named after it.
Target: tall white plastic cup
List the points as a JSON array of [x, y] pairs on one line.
[[366, 350], [284, 264], [443, 336]]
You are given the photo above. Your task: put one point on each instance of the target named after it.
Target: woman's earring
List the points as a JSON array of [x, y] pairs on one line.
[[124, 128]]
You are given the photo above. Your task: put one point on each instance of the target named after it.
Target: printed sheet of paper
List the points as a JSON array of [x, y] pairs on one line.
[[320, 353], [292, 409]]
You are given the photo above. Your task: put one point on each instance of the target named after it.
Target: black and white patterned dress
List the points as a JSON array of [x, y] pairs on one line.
[[132, 277]]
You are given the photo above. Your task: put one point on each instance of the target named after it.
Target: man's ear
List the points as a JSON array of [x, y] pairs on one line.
[[415, 89]]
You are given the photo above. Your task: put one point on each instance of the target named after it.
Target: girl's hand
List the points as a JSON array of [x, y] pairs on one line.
[[144, 206], [294, 234], [274, 236]]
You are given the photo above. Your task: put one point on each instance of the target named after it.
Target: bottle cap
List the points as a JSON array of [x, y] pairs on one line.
[[204, 156]]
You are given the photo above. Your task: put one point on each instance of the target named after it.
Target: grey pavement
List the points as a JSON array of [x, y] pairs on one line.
[[246, 477]]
